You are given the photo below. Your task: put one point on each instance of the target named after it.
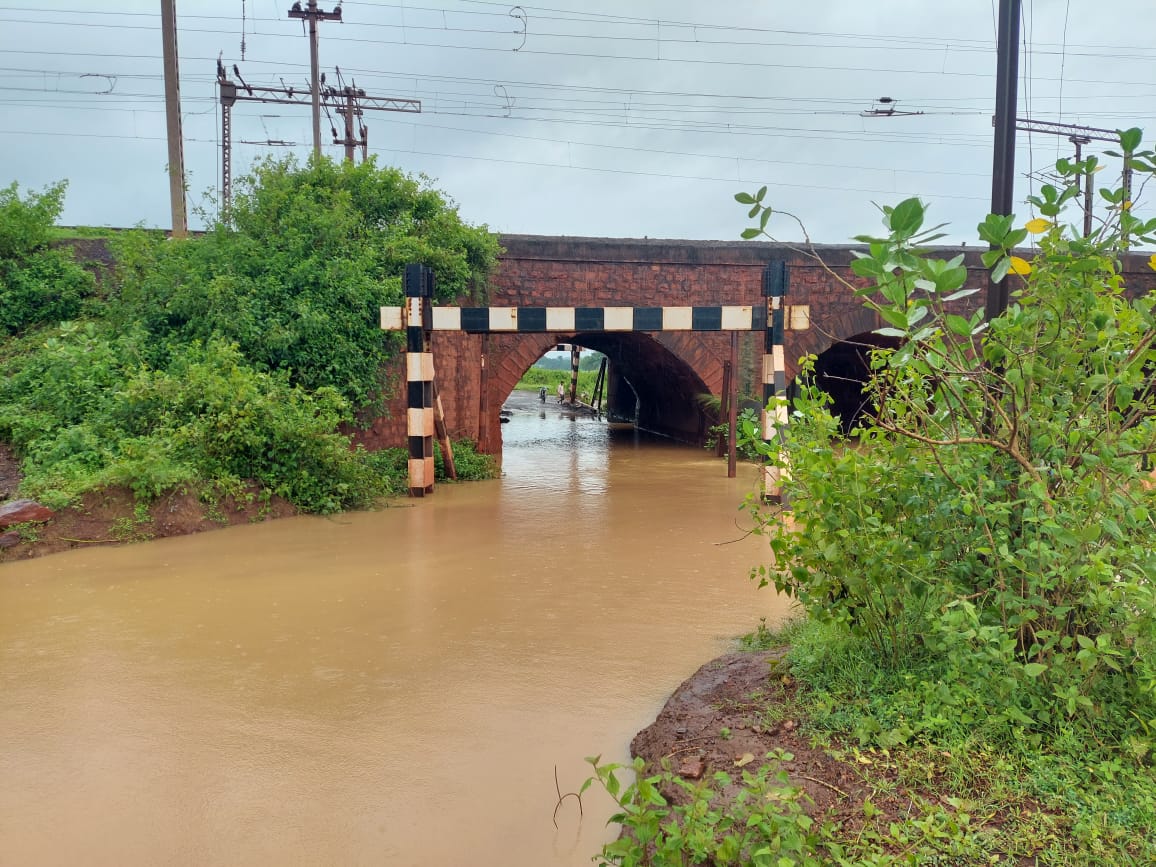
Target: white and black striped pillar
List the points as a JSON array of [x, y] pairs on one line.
[[774, 374], [419, 374]]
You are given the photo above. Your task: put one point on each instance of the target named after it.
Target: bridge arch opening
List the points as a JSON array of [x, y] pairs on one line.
[[647, 384], [843, 370]]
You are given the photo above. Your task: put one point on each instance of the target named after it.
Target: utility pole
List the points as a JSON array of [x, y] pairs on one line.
[[1003, 161], [173, 118], [351, 111], [232, 92], [1079, 136], [313, 15]]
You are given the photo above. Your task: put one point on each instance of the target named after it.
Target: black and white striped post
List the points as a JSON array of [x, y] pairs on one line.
[[774, 375], [419, 374]]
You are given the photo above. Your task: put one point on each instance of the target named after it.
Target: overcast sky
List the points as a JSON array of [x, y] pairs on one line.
[[616, 119]]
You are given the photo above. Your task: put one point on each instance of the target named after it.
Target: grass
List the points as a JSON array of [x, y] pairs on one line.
[[949, 793]]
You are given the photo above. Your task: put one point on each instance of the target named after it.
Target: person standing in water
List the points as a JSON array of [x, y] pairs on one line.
[[561, 392]]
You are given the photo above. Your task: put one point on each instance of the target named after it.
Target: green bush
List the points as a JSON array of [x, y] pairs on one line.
[[229, 358], [85, 413], [38, 284], [991, 528], [297, 275]]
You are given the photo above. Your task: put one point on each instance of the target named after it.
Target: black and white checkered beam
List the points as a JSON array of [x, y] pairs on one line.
[[774, 375], [419, 374], [488, 320]]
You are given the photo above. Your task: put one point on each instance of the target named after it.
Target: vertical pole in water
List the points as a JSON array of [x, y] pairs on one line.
[[774, 373], [419, 377], [484, 445], [599, 384], [724, 412], [732, 408], [575, 360]]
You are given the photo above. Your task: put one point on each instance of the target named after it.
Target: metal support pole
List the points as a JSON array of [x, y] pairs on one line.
[[1004, 156], [575, 361], [599, 384], [724, 407], [349, 111], [226, 147], [173, 118], [1127, 203], [1079, 143]]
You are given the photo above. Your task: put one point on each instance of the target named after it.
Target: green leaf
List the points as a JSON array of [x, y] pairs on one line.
[[958, 325], [1130, 139], [751, 232], [907, 217], [962, 293], [896, 317], [1035, 669], [744, 198]]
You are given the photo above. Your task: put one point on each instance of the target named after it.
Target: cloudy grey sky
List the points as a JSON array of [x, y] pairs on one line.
[[624, 119]]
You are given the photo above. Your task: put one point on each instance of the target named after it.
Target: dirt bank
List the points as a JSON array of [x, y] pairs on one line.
[[114, 517], [738, 708]]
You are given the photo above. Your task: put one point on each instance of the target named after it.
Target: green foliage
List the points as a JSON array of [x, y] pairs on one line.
[[764, 825], [38, 283], [762, 818], [1064, 800], [588, 361], [536, 377], [993, 524], [471, 465], [227, 359], [296, 277], [747, 424], [86, 412]]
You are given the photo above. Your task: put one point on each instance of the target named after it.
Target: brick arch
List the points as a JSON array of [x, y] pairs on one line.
[[835, 328], [542, 271]]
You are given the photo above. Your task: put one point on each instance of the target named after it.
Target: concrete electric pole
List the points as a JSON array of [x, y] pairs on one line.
[[173, 118], [312, 14]]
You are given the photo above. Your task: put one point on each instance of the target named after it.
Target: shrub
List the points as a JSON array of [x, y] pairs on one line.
[[38, 284], [992, 527]]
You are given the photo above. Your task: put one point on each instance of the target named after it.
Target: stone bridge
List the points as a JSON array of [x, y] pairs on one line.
[[655, 377]]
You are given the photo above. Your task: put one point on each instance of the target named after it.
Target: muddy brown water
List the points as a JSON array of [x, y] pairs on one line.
[[392, 688]]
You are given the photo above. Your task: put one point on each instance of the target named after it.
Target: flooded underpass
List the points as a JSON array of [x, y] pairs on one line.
[[393, 687]]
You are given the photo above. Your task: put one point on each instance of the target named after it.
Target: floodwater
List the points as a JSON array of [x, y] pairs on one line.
[[387, 688]]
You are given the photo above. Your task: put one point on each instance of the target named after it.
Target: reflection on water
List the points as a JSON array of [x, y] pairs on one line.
[[394, 687]]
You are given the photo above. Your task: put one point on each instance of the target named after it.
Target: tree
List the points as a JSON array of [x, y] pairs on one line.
[[297, 273], [39, 284]]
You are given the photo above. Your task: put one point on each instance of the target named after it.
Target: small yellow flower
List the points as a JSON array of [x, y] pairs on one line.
[[1019, 266], [1037, 226], [1128, 205], [1152, 261]]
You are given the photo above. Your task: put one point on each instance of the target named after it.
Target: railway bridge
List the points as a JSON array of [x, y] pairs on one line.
[[657, 370]]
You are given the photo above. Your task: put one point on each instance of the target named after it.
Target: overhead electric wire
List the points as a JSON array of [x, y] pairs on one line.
[[917, 42]]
